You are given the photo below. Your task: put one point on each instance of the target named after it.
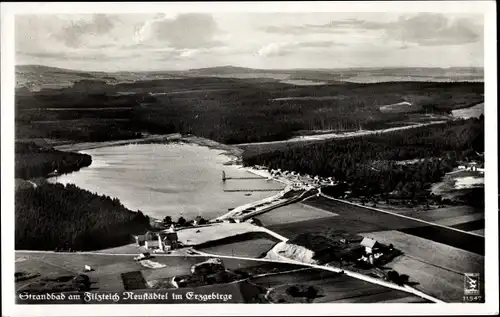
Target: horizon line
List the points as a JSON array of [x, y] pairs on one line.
[[250, 68]]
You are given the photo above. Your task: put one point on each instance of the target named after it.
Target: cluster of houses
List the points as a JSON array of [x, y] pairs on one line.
[[162, 241], [472, 166], [301, 179]]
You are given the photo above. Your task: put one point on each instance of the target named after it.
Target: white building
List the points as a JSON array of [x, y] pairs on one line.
[[369, 244]]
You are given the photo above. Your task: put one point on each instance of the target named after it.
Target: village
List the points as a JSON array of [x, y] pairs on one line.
[[358, 253], [355, 253]]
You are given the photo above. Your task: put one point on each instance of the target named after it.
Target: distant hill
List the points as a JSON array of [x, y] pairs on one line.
[[50, 69], [227, 70], [37, 77], [359, 75]]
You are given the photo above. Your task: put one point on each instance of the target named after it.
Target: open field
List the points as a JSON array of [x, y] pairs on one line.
[[443, 284], [479, 231], [325, 225], [252, 244], [363, 218], [292, 213], [400, 107], [335, 287], [452, 216], [199, 235], [448, 216], [107, 268], [470, 112], [468, 223], [131, 248], [437, 268], [458, 183], [438, 214], [438, 254]]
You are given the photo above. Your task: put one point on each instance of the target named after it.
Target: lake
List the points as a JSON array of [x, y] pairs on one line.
[[168, 179]]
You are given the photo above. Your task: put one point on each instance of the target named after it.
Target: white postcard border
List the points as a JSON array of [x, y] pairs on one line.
[[8, 10]]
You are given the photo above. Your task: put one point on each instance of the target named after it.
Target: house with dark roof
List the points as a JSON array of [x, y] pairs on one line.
[[169, 239]]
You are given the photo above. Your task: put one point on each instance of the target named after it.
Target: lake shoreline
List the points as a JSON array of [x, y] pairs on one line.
[[198, 149], [233, 152]]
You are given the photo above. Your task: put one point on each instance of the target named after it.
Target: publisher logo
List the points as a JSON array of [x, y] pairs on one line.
[[471, 284]]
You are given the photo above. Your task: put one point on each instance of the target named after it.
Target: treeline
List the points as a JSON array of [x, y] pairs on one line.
[[39, 115], [33, 161], [229, 110], [372, 165], [81, 95], [86, 131], [54, 216], [234, 115], [254, 114]]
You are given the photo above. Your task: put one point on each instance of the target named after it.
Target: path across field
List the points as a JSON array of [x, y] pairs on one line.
[[358, 219]]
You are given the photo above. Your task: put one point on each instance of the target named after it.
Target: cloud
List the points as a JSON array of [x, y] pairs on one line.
[[81, 56], [300, 29], [287, 48], [72, 34], [185, 31], [426, 29], [180, 41]]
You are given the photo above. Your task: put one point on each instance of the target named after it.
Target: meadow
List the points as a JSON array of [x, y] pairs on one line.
[[440, 283], [437, 254], [292, 213], [252, 245], [213, 232], [107, 269], [333, 287]]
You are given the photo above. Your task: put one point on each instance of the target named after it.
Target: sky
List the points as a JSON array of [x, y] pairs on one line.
[[169, 41]]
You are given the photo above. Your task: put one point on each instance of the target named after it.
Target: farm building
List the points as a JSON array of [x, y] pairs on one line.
[[169, 239], [370, 245], [141, 239], [148, 236], [152, 244], [165, 240]]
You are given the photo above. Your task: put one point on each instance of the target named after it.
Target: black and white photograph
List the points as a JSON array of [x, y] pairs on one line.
[[249, 153]]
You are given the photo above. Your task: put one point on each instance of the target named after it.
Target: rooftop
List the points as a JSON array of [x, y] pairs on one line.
[[368, 242]]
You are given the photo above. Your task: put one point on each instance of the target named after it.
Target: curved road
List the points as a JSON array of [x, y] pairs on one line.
[[197, 253]]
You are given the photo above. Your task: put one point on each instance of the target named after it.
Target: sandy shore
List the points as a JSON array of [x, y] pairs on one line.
[[233, 152], [75, 147]]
